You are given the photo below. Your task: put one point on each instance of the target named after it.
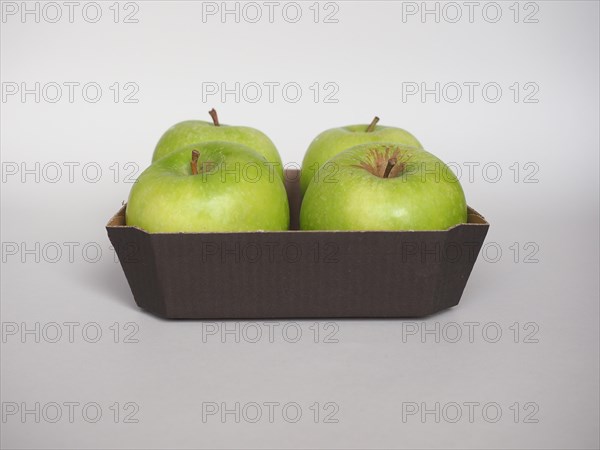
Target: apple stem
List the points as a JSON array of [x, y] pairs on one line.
[[371, 126], [194, 162], [215, 118], [390, 165]]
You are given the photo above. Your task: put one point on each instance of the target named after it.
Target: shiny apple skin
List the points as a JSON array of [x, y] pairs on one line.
[[191, 132], [345, 196], [236, 191], [334, 141]]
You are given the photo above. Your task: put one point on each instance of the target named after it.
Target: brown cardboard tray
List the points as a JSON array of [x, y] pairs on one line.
[[297, 274]]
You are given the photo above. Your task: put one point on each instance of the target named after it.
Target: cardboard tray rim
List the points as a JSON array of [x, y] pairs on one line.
[[117, 221]]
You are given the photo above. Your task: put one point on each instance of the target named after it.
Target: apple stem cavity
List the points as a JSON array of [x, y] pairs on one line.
[[194, 162], [390, 165], [371, 126], [215, 117]]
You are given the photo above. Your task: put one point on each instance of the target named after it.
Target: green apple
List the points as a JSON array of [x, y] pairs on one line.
[[383, 187], [215, 186], [331, 142], [198, 131]]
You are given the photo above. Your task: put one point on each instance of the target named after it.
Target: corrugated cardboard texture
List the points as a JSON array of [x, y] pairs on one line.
[[297, 274]]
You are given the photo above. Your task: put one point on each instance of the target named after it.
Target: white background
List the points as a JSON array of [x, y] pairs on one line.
[[376, 368]]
